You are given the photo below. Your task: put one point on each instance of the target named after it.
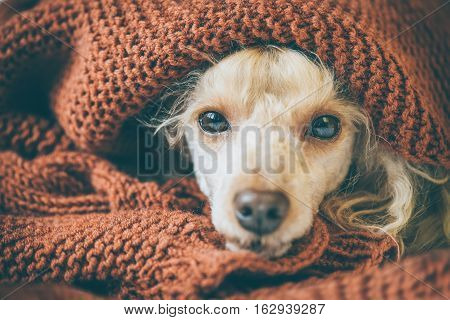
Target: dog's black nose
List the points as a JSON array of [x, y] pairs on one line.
[[260, 212]]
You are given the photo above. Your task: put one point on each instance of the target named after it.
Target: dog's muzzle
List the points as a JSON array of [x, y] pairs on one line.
[[260, 212]]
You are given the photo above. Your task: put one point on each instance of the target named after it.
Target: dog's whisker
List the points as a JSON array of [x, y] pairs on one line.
[[327, 158]]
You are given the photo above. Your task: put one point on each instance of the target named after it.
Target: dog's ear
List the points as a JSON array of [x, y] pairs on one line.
[[430, 224], [387, 194], [165, 112]]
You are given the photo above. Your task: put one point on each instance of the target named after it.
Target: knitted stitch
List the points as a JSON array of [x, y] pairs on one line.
[[401, 281], [111, 57], [68, 214]]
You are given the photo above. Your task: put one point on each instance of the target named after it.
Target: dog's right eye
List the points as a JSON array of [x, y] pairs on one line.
[[213, 122]]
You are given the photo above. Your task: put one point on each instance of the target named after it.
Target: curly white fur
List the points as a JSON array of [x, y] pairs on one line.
[[350, 179]]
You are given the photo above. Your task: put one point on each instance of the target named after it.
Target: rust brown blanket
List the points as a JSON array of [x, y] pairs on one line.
[[74, 73]]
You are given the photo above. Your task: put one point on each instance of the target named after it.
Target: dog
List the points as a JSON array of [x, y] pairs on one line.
[[274, 141]]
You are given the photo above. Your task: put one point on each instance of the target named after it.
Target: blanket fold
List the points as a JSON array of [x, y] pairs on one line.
[[161, 254], [56, 227], [74, 73]]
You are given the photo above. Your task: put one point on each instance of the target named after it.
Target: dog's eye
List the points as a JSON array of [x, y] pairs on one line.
[[213, 122], [325, 127]]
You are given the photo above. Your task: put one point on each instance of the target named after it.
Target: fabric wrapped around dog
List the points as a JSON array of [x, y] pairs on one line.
[[74, 73]]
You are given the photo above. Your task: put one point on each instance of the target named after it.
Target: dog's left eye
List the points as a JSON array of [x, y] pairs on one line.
[[324, 127], [213, 122]]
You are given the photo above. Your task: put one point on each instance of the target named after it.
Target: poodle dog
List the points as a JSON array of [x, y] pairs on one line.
[[274, 141]]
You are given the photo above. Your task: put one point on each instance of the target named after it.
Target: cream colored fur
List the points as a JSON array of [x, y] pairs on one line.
[[350, 179]]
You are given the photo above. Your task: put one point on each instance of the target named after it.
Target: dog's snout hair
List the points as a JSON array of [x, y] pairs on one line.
[[273, 142]]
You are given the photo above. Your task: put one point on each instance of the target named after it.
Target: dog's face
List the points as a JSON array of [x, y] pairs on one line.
[[269, 139]]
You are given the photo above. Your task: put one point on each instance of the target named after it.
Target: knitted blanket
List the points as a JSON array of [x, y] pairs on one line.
[[72, 209]]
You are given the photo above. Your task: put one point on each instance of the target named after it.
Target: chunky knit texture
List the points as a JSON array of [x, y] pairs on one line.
[[67, 214], [114, 56], [55, 227], [400, 281]]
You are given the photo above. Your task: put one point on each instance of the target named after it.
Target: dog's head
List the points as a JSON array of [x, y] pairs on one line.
[[270, 138]]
